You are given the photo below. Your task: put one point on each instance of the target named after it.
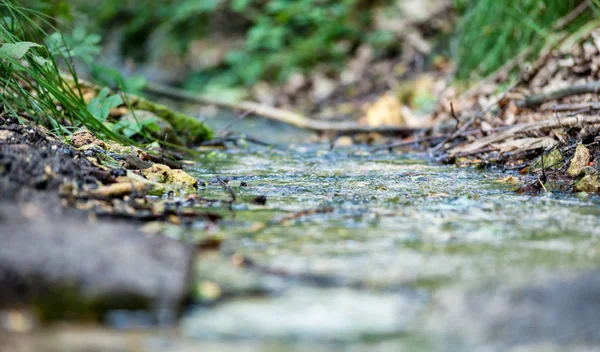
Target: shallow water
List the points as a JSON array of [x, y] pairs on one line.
[[387, 248]]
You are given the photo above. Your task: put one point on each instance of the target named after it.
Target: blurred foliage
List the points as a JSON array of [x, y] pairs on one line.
[[491, 32], [278, 37], [272, 39]]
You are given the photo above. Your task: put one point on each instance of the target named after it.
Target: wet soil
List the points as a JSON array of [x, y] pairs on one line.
[[62, 262]]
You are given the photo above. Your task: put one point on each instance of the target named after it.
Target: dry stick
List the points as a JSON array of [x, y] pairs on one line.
[[468, 124], [538, 99], [433, 138], [278, 114], [578, 107], [476, 146], [406, 143]]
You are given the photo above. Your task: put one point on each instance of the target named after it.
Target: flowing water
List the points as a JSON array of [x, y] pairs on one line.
[[356, 250]]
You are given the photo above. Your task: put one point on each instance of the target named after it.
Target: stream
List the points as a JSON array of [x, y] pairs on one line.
[[385, 252]]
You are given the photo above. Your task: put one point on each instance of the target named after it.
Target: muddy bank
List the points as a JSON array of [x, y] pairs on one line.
[[66, 263]]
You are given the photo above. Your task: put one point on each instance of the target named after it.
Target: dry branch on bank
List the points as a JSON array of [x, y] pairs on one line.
[[539, 99], [517, 130], [281, 115]]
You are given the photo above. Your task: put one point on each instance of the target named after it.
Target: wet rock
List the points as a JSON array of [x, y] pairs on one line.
[[548, 161], [260, 200], [560, 314], [580, 160], [68, 267]]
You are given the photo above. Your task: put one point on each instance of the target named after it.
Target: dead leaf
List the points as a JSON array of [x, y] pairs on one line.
[[386, 111]]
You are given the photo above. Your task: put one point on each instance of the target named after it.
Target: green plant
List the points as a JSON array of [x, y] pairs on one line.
[[35, 88], [32, 84], [491, 32]]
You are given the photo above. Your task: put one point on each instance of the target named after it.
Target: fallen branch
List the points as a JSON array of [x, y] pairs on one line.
[[277, 114], [538, 99], [578, 107], [478, 145]]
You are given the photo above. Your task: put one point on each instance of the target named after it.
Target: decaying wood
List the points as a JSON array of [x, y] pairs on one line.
[[277, 114], [513, 132]]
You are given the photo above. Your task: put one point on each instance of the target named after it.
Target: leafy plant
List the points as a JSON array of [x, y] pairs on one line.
[[100, 106]]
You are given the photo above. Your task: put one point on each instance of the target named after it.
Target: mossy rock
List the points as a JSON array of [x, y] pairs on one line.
[[191, 130], [548, 161], [588, 183], [163, 174], [187, 127], [587, 180]]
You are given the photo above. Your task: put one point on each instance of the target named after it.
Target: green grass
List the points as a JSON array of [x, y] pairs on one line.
[[491, 32], [33, 87]]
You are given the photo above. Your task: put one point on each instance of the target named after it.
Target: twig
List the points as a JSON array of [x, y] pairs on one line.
[[578, 107], [406, 143], [476, 146], [472, 120], [538, 99], [454, 115], [278, 114]]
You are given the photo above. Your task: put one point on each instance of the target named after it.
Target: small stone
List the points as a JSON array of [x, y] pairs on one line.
[[580, 160], [6, 135]]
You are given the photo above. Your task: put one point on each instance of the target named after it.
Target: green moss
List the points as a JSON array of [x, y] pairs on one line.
[[64, 303], [189, 128]]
